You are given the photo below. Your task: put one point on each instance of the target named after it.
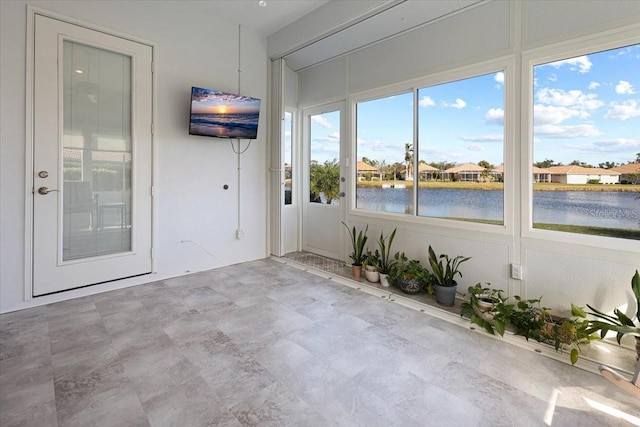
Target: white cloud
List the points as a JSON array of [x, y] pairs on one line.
[[624, 88], [321, 121], [580, 64], [566, 131], [483, 138], [623, 110], [614, 145], [495, 116], [499, 77], [459, 104], [426, 101], [549, 114], [475, 147], [594, 85], [553, 78], [571, 98]]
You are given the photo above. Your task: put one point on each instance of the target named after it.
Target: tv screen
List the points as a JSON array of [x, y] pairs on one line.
[[223, 115]]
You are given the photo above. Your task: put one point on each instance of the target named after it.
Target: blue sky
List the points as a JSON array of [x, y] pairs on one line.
[[586, 108]]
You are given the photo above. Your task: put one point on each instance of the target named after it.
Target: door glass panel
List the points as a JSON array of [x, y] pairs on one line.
[[324, 168], [96, 152], [288, 157]]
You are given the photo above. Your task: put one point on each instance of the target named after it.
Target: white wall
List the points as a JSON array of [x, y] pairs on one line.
[[562, 272], [191, 205]]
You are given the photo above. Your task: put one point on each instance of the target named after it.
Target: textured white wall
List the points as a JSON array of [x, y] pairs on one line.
[[192, 49]]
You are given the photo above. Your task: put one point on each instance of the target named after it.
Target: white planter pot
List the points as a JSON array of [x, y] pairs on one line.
[[371, 273], [384, 280]]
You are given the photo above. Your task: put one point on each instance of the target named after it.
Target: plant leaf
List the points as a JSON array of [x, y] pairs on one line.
[[574, 355]]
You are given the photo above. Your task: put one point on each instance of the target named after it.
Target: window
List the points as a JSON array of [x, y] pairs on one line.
[[287, 134], [457, 165], [384, 168], [461, 149], [586, 144], [324, 168]]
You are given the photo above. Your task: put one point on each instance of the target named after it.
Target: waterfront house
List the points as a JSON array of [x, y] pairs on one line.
[[465, 172], [365, 170], [629, 173], [573, 174], [427, 172], [539, 174]]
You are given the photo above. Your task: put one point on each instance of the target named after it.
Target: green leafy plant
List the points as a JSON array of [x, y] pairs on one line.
[[528, 318], [444, 268], [386, 261], [358, 242], [619, 323]]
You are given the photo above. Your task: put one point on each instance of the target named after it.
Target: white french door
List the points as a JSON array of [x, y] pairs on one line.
[[324, 206], [92, 118]]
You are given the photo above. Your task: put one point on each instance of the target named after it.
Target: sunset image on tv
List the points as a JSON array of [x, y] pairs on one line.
[[223, 115]]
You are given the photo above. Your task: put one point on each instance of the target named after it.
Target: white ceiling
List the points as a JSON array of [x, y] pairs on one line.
[[248, 13], [307, 32]]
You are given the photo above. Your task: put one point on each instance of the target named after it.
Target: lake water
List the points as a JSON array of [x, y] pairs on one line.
[[589, 208]]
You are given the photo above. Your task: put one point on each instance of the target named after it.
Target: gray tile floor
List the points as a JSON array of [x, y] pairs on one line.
[[263, 343]]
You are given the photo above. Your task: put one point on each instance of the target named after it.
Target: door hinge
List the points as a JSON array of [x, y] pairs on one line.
[[152, 253], [153, 191], [153, 128], [153, 67]]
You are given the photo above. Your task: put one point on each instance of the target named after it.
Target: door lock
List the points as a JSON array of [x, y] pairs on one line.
[[45, 190], [341, 194], [43, 174]]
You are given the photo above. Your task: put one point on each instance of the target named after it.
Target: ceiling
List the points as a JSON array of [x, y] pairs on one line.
[[267, 20], [308, 32]]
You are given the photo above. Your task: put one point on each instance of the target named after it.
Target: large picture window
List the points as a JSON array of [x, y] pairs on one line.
[[461, 149], [586, 144], [384, 168]]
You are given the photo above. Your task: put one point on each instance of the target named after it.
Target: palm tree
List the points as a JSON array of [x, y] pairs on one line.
[[408, 158]]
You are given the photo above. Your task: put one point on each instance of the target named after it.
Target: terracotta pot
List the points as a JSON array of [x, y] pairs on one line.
[[356, 270]]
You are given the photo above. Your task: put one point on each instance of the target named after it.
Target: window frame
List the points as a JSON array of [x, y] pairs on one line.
[[505, 64], [538, 56]]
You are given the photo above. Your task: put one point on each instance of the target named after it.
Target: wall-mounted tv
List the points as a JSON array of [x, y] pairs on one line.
[[223, 115]]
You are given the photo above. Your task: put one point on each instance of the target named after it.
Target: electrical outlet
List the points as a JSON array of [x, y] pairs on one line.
[[516, 271]]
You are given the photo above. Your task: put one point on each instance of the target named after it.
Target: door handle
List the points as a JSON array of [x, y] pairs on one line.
[[341, 194], [45, 190]]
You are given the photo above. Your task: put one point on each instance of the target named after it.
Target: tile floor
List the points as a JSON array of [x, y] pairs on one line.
[[263, 343]]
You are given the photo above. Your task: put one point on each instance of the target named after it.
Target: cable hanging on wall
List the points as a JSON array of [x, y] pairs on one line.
[[239, 151]]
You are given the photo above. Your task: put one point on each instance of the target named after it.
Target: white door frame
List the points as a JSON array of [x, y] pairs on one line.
[[304, 174], [30, 142]]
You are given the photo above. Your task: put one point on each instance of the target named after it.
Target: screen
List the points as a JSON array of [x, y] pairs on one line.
[[223, 115]]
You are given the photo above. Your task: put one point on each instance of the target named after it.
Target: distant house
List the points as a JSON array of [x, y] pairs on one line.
[[629, 173], [539, 174], [465, 172], [363, 169], [580, 175], [427, 173]]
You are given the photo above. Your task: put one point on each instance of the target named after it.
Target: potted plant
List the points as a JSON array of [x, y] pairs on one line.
[[357, 256], [370, 266], [385, 260], [444, 270], [410, 276], [528, 318], [619, 323]]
